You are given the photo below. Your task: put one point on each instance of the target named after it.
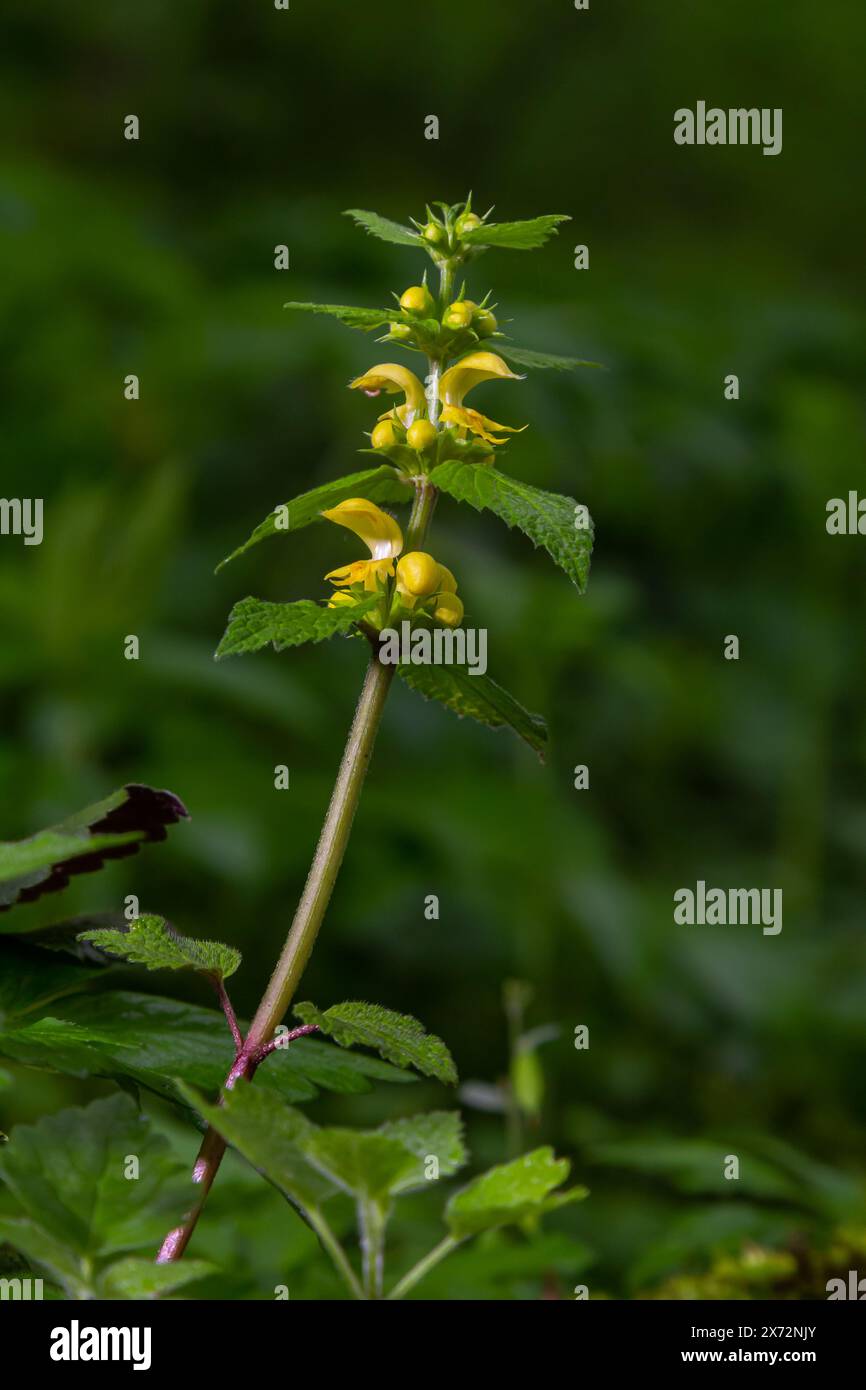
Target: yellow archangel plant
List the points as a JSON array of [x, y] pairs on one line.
[[426, 444]]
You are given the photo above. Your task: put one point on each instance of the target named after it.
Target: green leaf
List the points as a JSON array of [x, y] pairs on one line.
[[509, 1193], [136, 1278], [254, 623], [71, 1174], [380, 484], [398, 1038], [516, 236], [438, 1134], [547, 518], [349, 314], [270, 1135], [151, 1041], [112, 829], [477, 697], [151, 942], [31, 978], [383, 228], [526, 357], [364, 1163], [45, 1252]]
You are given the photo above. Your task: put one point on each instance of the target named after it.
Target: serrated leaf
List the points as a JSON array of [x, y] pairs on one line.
[[516, 236], [255, 623], [270, 1135], [112, 829], [150, 1041], [526, 357], [384, 228], [398, 1038], [152, 943], [439, 1135], [547, 518], [380, 484], [70, 1174], [137, 1278], [477, 697], [349, 314], [366, 1164], [510, 1192]]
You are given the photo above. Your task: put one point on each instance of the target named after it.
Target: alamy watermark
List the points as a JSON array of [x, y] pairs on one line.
[[441, 646], [712, 907], [737, 126], [22, 516]]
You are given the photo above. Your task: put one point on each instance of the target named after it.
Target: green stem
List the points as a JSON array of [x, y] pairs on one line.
[[372, 1221], [335, 1250], [311, 909], [418, 1271]]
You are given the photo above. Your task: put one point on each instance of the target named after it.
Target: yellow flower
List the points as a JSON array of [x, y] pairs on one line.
[[393, 378], [476, 422], [468, 372], [379, 532], [419, 574]]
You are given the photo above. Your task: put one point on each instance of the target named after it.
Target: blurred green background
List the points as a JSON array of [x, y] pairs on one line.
[[259, 127]]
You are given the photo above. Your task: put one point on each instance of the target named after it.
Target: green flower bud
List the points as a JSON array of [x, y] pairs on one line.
[[434, 233], [484, 323], [467, 223], [400, 331], [417, 300]]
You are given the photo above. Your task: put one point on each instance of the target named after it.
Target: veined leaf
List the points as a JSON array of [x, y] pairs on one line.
[[254, 623], [138, 1278], [547, 518], [398, 1038], [477, 697], [516, 236], [112, 829], [270, 1135], [349, 314], [526, 357], [151, 1041], [384, 228], [70, 1174], [380, 484], [508, 1193], [364, 1163], [31, 978], [150, 942], [439, 1135], [45, 1253]]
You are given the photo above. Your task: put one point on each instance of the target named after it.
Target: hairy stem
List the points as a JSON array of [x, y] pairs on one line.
[[314, 901]]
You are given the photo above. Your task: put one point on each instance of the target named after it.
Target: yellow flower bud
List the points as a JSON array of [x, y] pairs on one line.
[[434, 233], [384, 435], [459, 314], [418, 573], [484, 323], [417, 300], [448, 610], [421, 435], [447, 582], [467, 223]]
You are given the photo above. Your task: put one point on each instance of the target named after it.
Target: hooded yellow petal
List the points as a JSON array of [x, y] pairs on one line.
[[393, 378], [379, 531], [478, 424], [478, 366]]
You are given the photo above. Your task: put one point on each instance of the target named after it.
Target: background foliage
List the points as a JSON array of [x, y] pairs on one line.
[[258, 128]]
